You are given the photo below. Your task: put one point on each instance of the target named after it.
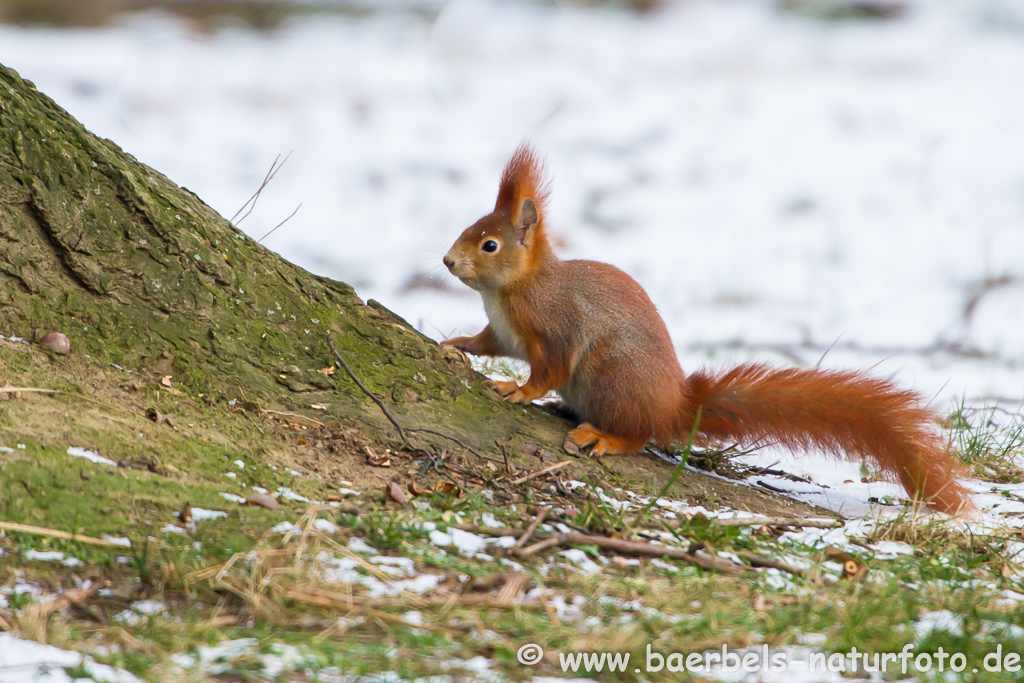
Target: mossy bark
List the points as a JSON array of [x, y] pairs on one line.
[[140, 273]]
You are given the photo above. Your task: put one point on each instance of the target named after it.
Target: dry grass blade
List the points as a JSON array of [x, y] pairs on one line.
[[36, 390], [56, 533], [538, 473]]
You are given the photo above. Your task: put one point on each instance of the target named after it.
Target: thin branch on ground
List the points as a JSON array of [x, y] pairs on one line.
[[778, 521], [538, 473], [529, 530], [616, 544], [756, 560], [549, 542], [391, 417]]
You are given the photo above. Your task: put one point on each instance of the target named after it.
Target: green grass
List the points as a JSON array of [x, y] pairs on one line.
[[231, 578], [990, 440]]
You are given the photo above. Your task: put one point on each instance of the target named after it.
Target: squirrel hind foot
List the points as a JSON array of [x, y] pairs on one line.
[[602, 443]]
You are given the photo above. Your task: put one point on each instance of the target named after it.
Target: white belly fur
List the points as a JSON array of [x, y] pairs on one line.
[[508, 340]]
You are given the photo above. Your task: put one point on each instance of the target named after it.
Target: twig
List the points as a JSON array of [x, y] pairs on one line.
[[290, 216], [390, 416], [756, 560], [546, 470], [370, 394], [288, 414], [529, 530], [427, 430], [775, 473], [274, 168], [650, 550], [509, 469], [773, 489], [543, 545], [56, 533], [617, 544], [778, 521]]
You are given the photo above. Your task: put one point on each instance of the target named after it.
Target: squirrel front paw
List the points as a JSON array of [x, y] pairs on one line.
[[506, 389], [514, 393], [464, 344]]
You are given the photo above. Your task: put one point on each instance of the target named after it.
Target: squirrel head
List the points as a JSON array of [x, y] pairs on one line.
[[509, 242]]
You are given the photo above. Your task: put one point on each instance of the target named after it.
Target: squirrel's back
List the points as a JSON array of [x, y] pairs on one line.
[[623, 367]]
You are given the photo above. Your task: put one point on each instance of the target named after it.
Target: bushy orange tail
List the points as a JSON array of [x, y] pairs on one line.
[[845, 414]]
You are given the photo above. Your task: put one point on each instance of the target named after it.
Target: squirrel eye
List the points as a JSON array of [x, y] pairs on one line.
[[490, 246]]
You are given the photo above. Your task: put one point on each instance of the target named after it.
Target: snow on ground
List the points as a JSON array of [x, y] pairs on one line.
[[785, 184], [24, 661]]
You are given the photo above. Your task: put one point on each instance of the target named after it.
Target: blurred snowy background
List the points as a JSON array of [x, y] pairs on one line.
[[785, 178]]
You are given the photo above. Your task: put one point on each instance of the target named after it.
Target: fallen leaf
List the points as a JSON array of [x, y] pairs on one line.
[[415, 489], [377, 460], [397, 494], [166, 381], [329, 370], [156, 416], [56, 342], [448, 488], [263, 500], [318, 406]]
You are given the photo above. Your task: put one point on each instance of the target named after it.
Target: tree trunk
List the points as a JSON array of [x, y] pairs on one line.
[[140, 273]]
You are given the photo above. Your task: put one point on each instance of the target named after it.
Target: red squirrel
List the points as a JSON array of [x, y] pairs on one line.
[[590, 332]]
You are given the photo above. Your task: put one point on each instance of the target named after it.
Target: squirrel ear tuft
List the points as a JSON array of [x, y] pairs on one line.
[[523, 177], [526, 221]]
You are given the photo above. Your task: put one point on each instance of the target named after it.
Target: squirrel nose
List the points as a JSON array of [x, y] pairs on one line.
[[448, 262]]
